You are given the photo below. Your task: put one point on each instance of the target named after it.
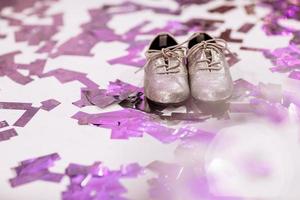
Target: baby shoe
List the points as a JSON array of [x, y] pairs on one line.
[[209, 74], [166, 77]]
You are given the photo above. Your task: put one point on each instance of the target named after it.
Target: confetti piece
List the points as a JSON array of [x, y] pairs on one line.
[[15, 105], [65, 76], [3, 124], [222, 9], [36, 169], [252, 49], [26, 117], [7, 134], [97, 181], [34, 34], [250, 9], [285, 59], [49, 104], [226, 36], [128, 123], [245, 28], [120, 92]]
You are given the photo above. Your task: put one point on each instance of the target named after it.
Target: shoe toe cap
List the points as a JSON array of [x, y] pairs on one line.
[[167, 90]]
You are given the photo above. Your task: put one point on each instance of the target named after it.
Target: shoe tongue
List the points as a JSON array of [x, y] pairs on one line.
[[163, 40], [208, 55]]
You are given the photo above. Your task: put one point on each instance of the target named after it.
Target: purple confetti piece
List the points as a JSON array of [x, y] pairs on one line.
[[285, 59], [226, 36], [3, 124], [128, 123], [250, 9], [19, 78], [295, 75], [222, 9], [97, 181], [49, 104], [117, 92], [7, 134], [189, 2], [252, 49], [15, 105], [26, 117], [65, 76], [36, 169], [245, 28], [275, 112], [34, 34]]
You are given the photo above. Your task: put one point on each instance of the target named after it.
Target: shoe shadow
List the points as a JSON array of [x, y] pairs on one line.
[[217, 109], [195, 109]]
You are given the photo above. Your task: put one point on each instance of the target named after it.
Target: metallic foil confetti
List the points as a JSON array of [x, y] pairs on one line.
[[118, 91], [128, 123], [97, 181], [284, 59], [36, 169]]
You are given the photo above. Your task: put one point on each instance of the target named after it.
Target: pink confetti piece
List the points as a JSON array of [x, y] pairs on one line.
[[36, 169], [7, 134], [3, 124], [26, 117], [49, 104]]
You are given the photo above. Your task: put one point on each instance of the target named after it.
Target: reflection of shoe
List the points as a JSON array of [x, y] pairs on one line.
[[210, 78], [166, 79]]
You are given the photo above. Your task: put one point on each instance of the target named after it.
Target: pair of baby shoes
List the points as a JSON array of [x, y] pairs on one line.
[[175, 71]]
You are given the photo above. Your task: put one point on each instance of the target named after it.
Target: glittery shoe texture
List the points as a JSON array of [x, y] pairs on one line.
[[166, 77], [210, 78]]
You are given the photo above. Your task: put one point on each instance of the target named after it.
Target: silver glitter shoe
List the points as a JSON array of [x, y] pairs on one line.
[[166, 77], [210, 78]]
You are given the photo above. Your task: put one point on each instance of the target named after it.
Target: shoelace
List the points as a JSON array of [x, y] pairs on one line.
[[167, 53], [219, 45]]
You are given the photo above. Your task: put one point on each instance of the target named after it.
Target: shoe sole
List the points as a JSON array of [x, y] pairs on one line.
[[152, 105]]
